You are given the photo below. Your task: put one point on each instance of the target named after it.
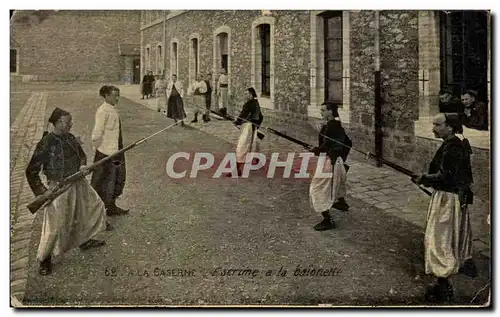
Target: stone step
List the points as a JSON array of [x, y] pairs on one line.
[[16, 299], [18, 285], [18, 255], [22, 234], [22, 244], [17, 274]]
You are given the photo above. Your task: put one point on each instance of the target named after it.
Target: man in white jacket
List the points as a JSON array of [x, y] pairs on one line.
[[199, 89], [222, 91], [108, 180]]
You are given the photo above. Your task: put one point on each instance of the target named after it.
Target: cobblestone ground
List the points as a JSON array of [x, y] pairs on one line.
[[383, 187], [202, 224], [25, 132]]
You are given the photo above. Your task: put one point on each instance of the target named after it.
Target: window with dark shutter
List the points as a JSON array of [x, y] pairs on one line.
[[175, 59], [265, 41], [333, 56], [464, 51], [195, 56]]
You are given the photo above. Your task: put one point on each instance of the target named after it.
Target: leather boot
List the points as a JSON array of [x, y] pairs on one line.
[[195, 118], [326, 224], [45, 267], [341, 204], [439, 293]]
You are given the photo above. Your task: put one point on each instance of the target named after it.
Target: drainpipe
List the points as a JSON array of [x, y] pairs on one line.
[[164, 55], [378, 97], [141, 63]]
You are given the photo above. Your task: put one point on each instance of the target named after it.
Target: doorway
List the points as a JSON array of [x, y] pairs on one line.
[[137, 71]]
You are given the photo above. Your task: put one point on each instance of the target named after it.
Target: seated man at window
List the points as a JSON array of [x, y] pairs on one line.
[[475, 115], [449, 103]]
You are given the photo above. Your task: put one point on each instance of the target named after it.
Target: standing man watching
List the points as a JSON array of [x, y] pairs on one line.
[[109, 179]]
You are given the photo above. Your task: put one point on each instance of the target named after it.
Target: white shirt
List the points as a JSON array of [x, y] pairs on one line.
[[106, 129], [201, 85], [178, 87], [161, 84], [223, 79]]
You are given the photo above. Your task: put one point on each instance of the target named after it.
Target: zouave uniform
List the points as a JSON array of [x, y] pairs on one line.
[[73, 218], [325, 191]]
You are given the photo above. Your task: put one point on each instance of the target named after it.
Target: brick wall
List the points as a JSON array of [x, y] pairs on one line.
[[74, 45]]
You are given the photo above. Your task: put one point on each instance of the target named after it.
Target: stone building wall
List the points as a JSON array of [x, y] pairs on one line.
[[74, 45], [291, 79], [399, 54], [151, 36], [399, 66], [362, 79]]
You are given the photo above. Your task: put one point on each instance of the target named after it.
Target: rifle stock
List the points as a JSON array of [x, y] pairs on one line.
[[51, 194]]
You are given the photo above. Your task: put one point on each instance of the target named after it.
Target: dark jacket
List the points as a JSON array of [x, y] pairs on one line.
[[453, 106], [250, 113], [331, 131], [450, 169], [208, 94], [478, 118], [57, 157]]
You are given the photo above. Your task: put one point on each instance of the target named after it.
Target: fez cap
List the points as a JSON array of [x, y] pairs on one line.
[[454, 121], [252, 92], [331, 106], [56, 114]]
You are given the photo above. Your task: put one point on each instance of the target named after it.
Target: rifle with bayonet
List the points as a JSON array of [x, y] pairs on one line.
[[49, 195], [308, 146]]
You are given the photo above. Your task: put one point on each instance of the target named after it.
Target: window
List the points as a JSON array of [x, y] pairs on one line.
[[221, 49], [223, 44], [148, 59], [194, 56], [262, 64], [333, 56], [174, 61], [464, 49], [460, 43], [194, 43], [159, 61], [265, 42], [13, 61], [224, 62], [330, 72]]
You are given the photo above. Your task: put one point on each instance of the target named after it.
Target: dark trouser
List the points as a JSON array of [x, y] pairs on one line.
[[208, 101], [108, 180]]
